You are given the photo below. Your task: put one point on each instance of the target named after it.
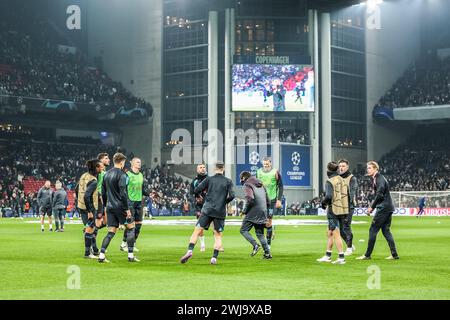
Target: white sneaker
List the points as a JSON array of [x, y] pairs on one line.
[[392, 258], [124, 247], [91, 256], [325, 258], [348, 252], [133, 259], [339, 261]]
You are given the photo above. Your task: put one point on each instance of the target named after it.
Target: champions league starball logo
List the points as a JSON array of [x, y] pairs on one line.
[[253, 158], [295, 158]]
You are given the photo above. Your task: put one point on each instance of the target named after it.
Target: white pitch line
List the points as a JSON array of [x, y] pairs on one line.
[[184, 222]]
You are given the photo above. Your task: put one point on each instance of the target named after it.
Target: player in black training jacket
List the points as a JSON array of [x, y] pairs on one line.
[[199, 199], [220, 193], [115, 196], [383, 216]]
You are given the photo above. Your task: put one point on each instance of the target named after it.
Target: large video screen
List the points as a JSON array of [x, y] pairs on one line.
[[271, 87]]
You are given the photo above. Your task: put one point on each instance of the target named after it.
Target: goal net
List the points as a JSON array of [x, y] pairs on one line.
[[436, 202]]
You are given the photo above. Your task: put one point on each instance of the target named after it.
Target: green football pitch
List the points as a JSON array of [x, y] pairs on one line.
[[35, 265]]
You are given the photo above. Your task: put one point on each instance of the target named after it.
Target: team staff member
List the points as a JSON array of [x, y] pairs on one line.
[[255, 210], [59, 199], [383, 216], [44, 199], [271, 179], [115, 196], [220, 193]]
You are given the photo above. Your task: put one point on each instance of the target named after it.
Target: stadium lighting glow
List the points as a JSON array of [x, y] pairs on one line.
[[371, 3], [374, 3]]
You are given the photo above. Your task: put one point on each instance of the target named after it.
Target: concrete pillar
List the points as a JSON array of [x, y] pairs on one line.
[[229, 116], [313, 44], [325, 87], [213, 91]]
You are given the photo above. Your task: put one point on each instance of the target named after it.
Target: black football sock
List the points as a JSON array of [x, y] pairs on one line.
[[125, 232], [269, 235], [94, 240], [130, 240], [107, 240], [137, 231], [87, 243]]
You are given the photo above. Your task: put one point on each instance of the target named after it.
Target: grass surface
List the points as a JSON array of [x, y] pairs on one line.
[[34, 265]]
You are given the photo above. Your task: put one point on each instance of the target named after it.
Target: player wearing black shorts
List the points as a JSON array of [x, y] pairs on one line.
[[352, 187], [200, 198], [87, 203], [336, 199], [255, 209], [271, 179], [220, 193], [137, 188], [44, 199], [115, 196], [100, 219]]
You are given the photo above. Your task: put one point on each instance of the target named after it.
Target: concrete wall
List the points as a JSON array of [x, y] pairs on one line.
[[390, 50], [423, 113], [354, 156], [111, 139], [128, 37]]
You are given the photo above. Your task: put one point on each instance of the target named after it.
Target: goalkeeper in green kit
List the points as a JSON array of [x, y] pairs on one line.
[[271, 179], [136, 189]]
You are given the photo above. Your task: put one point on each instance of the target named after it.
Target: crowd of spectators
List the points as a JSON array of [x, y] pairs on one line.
[[65, 162], [425, 82], [32, 65], [167, 191], [52, 161], [422, 163]]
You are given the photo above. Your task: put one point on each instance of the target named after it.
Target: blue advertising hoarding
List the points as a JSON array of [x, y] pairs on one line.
[[250, 157], [295, 165]]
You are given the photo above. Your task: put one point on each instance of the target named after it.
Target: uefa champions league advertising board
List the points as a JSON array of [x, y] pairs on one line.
[[295, 165], [250, 157]]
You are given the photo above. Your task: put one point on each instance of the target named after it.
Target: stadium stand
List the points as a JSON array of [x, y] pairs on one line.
[[420, 164], [425, 82], [31, 65], [26, 164]]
